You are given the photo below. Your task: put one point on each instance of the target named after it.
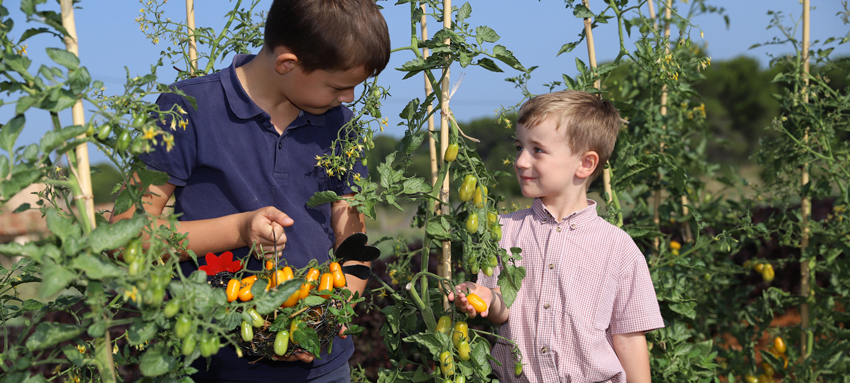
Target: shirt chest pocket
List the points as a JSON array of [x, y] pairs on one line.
[[591, 299]]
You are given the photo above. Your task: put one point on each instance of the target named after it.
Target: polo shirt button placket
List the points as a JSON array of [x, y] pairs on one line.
[[558, 229], [543, 350], [573, 226], [546, 306]]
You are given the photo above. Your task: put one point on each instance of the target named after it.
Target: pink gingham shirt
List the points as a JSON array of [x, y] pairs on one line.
[[586, 281]]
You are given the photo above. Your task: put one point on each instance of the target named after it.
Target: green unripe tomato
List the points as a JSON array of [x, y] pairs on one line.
[[132, 250], [463, 350], [488, 271], [493, 261], [137, 265], [517, 368], [467, 188], [104, 131], [189, 343], [256, 319], [281, 342], [139, 120], [171, 308], [184, 326], [123, 141], [246, 331], [472, 223], [208, 347], [451, 152]]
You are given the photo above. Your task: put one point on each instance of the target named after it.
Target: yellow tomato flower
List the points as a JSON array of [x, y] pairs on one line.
[[169, 142], [149, 133], [131, 294], [81, 349]]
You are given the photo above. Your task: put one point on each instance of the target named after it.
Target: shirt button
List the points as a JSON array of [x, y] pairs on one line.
[[543, 350], [546, 306], [551, 266], [280, 145], [558, 229], [545, 219], [573, 226]]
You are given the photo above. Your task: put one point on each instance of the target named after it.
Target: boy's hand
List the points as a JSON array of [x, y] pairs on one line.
[[459, 298], [265, 227]]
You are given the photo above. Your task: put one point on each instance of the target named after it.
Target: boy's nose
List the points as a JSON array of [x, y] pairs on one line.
[[521, 161], [346, 96]]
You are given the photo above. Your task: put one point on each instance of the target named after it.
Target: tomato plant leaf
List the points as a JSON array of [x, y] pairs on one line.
[[107, 237], [95, 268], [416, 185], [79, 79], [54, 278], [50, 333], [567, 48], [141, 331], [685, 308], [307, 338], [463, 12], [435, 343], [52, 139], [63, 58], [582, 12], [157, 361], [484, 33], [321, 198], [510, 281], [123, 202], [60, 226], [10, 132], [439, 229], [489, 64], [507, 57], [268, 302], [151, 177], [480, 352]]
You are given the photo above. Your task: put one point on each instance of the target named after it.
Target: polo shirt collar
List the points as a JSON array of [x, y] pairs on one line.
[[578, 218], [241, 104]]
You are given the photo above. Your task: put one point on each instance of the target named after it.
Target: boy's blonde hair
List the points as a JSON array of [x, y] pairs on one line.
[[590, 123]]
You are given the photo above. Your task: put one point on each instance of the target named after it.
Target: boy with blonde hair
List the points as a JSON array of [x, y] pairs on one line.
[[587, 298]]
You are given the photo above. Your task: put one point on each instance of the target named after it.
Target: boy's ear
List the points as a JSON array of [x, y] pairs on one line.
[[284, 60], [589, 162]]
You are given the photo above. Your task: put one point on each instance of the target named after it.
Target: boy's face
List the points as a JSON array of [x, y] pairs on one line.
[[318, 91], [545, 166]]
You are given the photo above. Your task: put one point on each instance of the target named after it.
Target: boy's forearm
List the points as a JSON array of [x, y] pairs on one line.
[[499, 312], [632, 351]]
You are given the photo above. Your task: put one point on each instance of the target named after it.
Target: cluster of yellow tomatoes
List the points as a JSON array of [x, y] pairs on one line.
[[460, 339], [765, 269], [334, 278], [778, 350]]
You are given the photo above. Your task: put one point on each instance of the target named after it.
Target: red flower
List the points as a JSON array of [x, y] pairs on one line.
[[221, 263]]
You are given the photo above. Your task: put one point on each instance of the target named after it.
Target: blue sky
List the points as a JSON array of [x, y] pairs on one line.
[[534, 30]]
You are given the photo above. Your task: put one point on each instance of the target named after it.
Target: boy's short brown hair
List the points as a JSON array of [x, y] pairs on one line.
[[590, 123], [331, 35]]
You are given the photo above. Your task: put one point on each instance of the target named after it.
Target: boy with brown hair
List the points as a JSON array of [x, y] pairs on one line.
[[244, 167], [587, 298]]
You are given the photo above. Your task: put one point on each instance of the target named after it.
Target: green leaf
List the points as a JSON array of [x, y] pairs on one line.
[[60, 226], [53, 138], [507, 57], [567, 48], [50, 333], [307, 338], [4, 166], [54, 279], [463, 12], [95, 268], [79, 80], [322, 198], [582, 68], [439, 229], [435, 343], [157, 361], [485, 33], [18, 63], [642, 231], [108, 237], [151, 177], [123, 203], [582, 12], [510, 281], [685, 308], [63, 58], [141, 331], [22, 208], [20, 180], [268, 302], [313, 300], [11, 131], [489, 64], [416, 185]]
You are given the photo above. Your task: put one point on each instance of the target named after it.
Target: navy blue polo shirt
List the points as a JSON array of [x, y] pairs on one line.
[[230, 159]]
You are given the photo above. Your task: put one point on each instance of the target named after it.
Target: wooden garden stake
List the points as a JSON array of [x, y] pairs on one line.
[[445, 269], [591, 54], [190, 26], [428, 89], [805, 204], [82, 150]]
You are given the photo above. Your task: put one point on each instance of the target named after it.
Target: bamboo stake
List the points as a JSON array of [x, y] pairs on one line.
[[652, 14], [78, 116], [591, 54], [805, 204], [190, 25], [445, 270], [428, 89], [656, 215]]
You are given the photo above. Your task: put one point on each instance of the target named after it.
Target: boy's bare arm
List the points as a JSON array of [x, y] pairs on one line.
[[218, 234], [345, 221], [496, 312], [634, 356]]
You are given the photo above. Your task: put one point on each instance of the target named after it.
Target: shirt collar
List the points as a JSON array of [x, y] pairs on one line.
[[578, 218], [241, 104]]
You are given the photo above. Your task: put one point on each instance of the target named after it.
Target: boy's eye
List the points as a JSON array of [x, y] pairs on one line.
[[518, 148], [538, 150]]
